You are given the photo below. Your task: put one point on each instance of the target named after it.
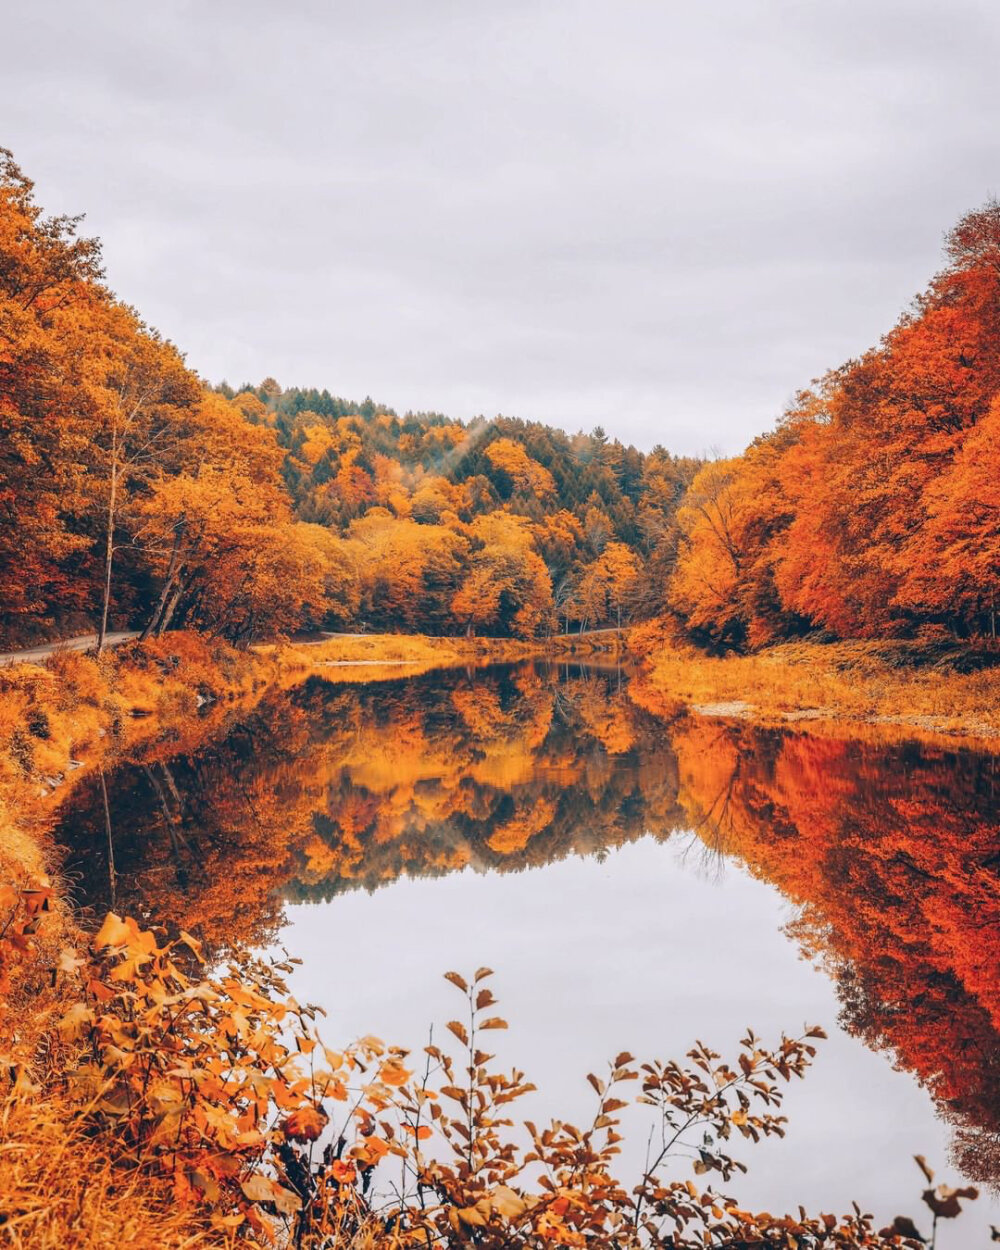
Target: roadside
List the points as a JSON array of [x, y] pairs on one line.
[[86, 642], [31, 655]]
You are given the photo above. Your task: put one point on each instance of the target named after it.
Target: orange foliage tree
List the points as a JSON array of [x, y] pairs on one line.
[[871, 510]]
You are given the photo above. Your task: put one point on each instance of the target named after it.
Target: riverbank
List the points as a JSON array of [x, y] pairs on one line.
[[70, 1171], [889, 687], [70, 713]]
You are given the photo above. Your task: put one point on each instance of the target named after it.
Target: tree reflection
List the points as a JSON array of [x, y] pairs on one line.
[[889, 852]]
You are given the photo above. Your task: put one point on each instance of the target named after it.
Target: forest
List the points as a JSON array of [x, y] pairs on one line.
[[136, 494], [873, 508]]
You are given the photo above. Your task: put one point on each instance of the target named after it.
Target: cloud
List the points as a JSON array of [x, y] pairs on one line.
[[664, 218]]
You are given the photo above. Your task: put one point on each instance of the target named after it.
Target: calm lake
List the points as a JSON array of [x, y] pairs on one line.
[[636, 881]]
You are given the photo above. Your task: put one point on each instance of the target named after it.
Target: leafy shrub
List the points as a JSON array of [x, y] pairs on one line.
[[219, 1087]]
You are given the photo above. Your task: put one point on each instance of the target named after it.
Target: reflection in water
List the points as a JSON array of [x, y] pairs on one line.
[[890, 853]]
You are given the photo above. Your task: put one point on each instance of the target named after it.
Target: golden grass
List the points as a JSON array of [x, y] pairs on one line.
[[422, 652], [892, 687], [62, 1189]]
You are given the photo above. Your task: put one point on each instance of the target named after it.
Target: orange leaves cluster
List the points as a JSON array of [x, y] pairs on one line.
[[874, 506], [187, 1074]]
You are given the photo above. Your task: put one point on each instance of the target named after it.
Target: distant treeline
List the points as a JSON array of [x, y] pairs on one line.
[[502, 526], [133, 494]]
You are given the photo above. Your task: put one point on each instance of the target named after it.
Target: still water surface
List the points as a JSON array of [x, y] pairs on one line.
[[637, 881]]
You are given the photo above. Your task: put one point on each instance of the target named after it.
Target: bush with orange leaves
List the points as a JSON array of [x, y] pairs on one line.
[[213, 1094]]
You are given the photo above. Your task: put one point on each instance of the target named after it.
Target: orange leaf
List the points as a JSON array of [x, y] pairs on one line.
[[305, 1124], [393, 1073]]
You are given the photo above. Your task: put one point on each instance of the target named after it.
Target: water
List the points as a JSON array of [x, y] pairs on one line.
[[637, 881]]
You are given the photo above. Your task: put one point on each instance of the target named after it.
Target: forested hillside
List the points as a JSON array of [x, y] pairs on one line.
[[136, 496], [873, 509]]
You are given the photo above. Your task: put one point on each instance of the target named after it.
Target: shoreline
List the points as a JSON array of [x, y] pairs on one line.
[[855, 689], [77, 714]]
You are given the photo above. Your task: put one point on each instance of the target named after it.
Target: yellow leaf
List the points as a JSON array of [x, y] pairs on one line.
[[193, 944], [305, 1124], [286, 1200], [509, 1203], [262, 1189], [227, 1221], [421, 1133], [74, 1023], [459, 1031], [113, 932], [475, 1216]]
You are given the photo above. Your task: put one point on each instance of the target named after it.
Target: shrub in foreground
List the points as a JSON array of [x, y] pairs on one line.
[[214, 1095]]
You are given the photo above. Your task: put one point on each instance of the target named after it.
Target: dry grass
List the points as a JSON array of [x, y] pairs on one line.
[[61, 1189], [887, 685], [422, 652]]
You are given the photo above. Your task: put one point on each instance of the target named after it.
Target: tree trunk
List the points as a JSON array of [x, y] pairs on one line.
[[109, 553], [168, 820], [170, 608], [112, 875], [161, 604]]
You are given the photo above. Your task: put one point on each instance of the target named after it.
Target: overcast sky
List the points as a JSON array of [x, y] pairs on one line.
[[664, 218]]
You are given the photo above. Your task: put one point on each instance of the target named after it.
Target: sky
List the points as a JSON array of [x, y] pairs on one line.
[[662, 218]]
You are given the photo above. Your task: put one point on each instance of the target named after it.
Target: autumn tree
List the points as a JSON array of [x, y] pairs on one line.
[[139, 386], [606, 589], [507, 589], [49, 277], [519, 470], [409, 572], [954, 570]]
